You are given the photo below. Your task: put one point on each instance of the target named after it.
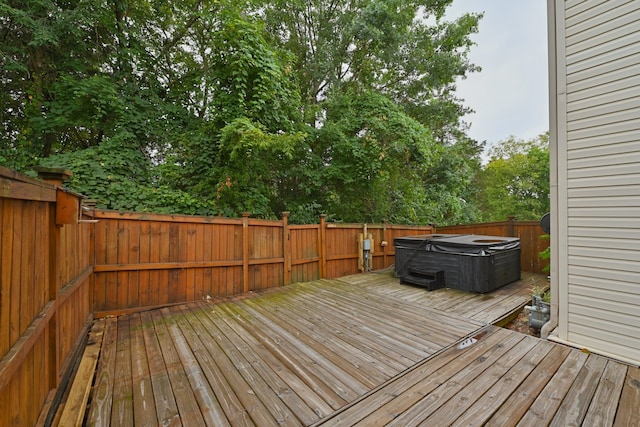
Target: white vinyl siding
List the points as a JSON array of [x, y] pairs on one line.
[[600, 130]]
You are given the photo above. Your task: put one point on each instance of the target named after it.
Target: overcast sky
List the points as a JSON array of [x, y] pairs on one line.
[[510, 94]]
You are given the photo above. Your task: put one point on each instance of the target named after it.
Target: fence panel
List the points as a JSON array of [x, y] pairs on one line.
[[45, 280], [147, 260], [266, 254], [26, 363], [173, 259], [74, 284], [536, 241], [342, 249], [305, 244]]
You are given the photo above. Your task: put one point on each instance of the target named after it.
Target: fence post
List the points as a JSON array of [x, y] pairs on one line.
[[245, 251], [54, 176], [54, 330], [384, 243], [510, 227], [322, 247], [286, 242]]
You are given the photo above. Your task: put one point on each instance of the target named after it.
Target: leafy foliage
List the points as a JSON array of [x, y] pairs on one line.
[[374, 155], [516, 180], [384, 46], [546, 254], [216, 107], [115, 175]]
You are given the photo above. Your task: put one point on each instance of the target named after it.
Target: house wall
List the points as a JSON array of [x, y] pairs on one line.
[[595, 128]]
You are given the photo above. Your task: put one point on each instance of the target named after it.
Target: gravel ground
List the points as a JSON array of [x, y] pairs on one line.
[[521, 324]]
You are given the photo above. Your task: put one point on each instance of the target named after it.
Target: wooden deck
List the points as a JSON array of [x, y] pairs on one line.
[[363, 349]]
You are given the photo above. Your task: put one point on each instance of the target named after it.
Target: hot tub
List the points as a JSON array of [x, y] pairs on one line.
[[468, 262]]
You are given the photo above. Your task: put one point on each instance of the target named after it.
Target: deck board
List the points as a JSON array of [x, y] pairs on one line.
[[628, 413], [522, 398], [360, 350], [290, 387], [122, 409], [499, 392], [488, 308], [165, 402], [100, 409], [604, 404], [183, 391], [144, 408]]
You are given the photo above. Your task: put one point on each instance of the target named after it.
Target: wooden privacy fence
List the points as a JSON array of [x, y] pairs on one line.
[[45, 292], [532, 239], [149, 260]]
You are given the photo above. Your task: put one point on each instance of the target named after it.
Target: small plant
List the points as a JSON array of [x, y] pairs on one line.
[[543, 293], [546, 254]]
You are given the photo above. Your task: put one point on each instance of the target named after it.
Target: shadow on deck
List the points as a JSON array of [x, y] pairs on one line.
[[362, 349]]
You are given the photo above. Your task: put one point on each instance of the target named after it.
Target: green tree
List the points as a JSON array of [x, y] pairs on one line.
[[516, 180], [76, 73], [240, 149], [116, 175], [390, 47], [407, 54], [42, 42], [310, 106], [375, 159]]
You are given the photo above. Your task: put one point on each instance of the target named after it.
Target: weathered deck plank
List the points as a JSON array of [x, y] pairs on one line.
[[333, 382], [197, 356], [498, 380], [144, 408], [548, 401], [102, 394], [122, 409], [449, 400], [322, 397], [575, 404], [364, 350], [388, 362], [165, 402], [75, 406], [363, 375], [500, 391], [289, 387], [371, 370], [604, 404], [487, 308], [399, 394], [182, 390], [218, 370], [628, 413]]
